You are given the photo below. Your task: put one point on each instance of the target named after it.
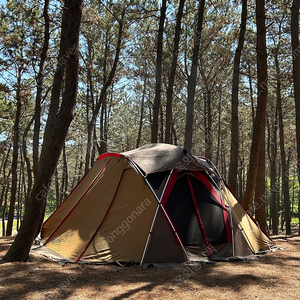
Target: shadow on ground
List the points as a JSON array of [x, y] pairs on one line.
[[52, 281]]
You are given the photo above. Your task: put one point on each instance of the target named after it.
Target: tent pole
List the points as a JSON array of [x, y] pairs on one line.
[[150, 233], [163, 192]]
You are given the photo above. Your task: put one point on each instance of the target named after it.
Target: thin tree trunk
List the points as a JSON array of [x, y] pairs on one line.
[[64, 177], [272, 151], [234, 151], [173, 72], [14, 165], [40, 79], [251, 95], [138, 141], [208, 128], [19, 198], [57, 195], [26, 158], [262, 79], [296, 74], [285, 170], [159, 52], [161, 135], [4, 212], [5, 177], [188, 138], [64, 53], [5, 202], [53, 142], [103, 94], [219, 128]]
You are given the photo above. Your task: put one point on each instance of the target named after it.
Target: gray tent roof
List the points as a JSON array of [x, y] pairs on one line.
[[160, 157]]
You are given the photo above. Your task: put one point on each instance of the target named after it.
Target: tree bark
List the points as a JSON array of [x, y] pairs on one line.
[[159, 52], [272, 152], [64, 53], [208, 126], [57, 195], [262, 79], [15, 153], [53, 143], [40, 79], [234, 151], [26, 158], [188, 138], [296, 73], [285, 170], [260, 188], [5, 177], [138, 141], [173, 72]]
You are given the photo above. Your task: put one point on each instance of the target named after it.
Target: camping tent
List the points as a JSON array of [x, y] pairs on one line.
[[154, 204]]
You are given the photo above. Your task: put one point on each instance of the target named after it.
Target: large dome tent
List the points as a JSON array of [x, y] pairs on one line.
[[155, 204]]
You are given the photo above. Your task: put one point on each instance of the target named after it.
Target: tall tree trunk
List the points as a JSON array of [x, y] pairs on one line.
[[26, 158], [63, 54], [188, 138], [106, 85], [208, 127], [285, 170], [52, 145], [173, 72], [262, 79], [64, 177], [4, 207], [40, 79], [251, 94], [5, 177], [15, 152], [234, 147], [296, 74], [219, 128], [56, 182], [272, 152], [260, 188], [138, 141], [103, 127], [159, 52]]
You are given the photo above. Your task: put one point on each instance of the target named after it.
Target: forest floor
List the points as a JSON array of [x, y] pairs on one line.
[[271, 276]]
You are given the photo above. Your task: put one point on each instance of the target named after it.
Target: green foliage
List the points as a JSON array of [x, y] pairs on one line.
[[21, 38]]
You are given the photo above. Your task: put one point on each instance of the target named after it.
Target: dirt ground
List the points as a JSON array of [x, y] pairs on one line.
[[271, 276]]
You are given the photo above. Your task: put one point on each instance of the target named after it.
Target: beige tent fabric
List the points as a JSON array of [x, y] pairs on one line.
[[255, 238], [74, 233], [67, 205], [123, 234]]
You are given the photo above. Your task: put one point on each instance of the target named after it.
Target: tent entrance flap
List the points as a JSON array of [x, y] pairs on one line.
[[199, 217], [163, 246]]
